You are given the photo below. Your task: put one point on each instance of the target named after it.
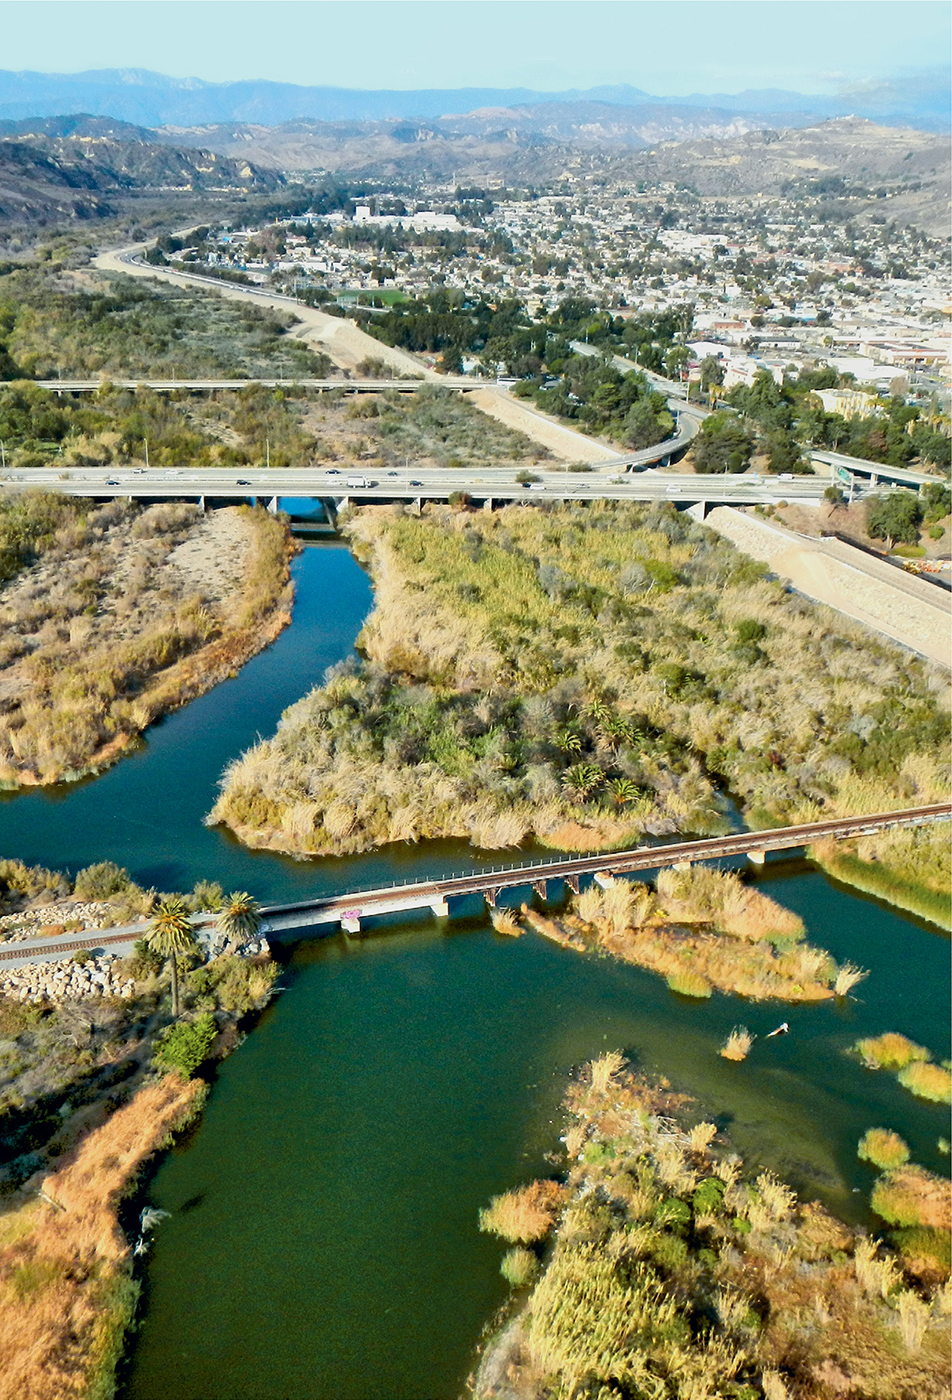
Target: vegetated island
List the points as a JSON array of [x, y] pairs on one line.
[[660, 1267], [97, 1070], [586, 675], [702, 930], [113, 615]]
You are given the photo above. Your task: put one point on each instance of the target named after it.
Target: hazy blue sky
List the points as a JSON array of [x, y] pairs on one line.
[[662, 46]]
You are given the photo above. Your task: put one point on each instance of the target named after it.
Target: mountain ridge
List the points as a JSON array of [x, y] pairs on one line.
[[153, 99]]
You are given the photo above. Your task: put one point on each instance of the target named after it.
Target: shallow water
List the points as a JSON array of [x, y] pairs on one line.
[[322, 1239]]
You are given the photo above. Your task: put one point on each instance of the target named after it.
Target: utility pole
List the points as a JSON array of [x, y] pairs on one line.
[[267, 453], [146, 441]]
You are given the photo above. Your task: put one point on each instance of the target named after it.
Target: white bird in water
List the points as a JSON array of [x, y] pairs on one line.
[[781, 1030]]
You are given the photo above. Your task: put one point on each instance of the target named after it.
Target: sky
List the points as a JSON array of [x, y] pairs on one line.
[[667, 47]]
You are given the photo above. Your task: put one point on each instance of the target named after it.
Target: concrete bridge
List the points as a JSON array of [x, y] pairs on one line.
[[348, 910]]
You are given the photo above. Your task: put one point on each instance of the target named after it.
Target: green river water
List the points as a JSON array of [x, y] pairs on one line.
[[322, 1242]]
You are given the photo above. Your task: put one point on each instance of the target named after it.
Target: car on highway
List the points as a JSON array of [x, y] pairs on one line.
[[111, 481], [242, 482], [414, 483]]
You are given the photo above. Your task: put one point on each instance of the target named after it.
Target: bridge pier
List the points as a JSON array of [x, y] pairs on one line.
[[201, 504], [757, 857], [350, 922], [272, 506], [572, 882], [440, 908], [491, 895], [488, 505], [604, 879], [541, 888]]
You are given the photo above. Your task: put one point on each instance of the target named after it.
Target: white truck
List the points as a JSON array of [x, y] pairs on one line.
[[357, 483]]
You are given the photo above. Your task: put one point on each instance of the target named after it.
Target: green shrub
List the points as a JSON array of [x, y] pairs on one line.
[[924, 1243], [890, 1051], [690, 984], [927, 1081], [885, 1149], [185, 1046], [519, 1267], [102, 881]]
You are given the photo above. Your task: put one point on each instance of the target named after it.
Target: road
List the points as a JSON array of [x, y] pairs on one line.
[[435, 484]]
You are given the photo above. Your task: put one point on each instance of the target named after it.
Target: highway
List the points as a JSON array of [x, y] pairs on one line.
[[498, 485]]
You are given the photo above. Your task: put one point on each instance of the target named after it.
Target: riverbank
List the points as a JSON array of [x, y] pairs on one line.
[[912, 870], [118, 615], [584, 676], [662, 1265], [95, 1075]]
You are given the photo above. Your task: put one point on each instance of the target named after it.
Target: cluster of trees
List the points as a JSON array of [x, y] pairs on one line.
[[897, 518], [789, 416], [38, 428], [595, 394]]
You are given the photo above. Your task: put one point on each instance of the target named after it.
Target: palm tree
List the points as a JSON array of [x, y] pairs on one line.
[[240, 917], [568, 741], [623, 790], [171, 934], [581, 780]]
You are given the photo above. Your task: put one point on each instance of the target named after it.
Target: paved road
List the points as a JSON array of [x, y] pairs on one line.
[[500, 485], [862, 467]]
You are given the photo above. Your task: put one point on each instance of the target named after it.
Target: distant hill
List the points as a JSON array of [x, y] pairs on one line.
[[481, 142], [125, 155], [78, 166], [152, 99]]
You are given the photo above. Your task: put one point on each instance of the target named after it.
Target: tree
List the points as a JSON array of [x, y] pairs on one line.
[[785, 455], [894, 518], [169, 935], [712, 372], [723, 444], [240, 918], [183, 1048]]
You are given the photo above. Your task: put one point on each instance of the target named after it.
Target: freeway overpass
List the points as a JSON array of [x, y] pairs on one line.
[[319, 483], [875, 471]]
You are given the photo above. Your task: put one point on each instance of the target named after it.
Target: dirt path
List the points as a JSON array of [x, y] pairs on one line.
[[341, 339], [515, 413], [909, 610]]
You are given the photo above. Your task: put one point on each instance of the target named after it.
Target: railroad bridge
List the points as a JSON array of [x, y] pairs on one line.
[[347, 910]]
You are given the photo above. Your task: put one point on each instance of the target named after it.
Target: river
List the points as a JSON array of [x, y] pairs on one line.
[[322, 1242]]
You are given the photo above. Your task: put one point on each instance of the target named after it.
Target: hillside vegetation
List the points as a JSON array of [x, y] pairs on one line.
[[584, 675], [112, 615], [81, 325]]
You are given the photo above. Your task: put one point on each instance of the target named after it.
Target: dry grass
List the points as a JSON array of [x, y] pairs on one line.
[[706, 929], [738, 1044], [694, 1284], [505, 921], [847, 977], [884, 1148], [62, 1270], [927, 1081], [604, 1069], [890, 1051], [525, 1215], [124, 616]]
